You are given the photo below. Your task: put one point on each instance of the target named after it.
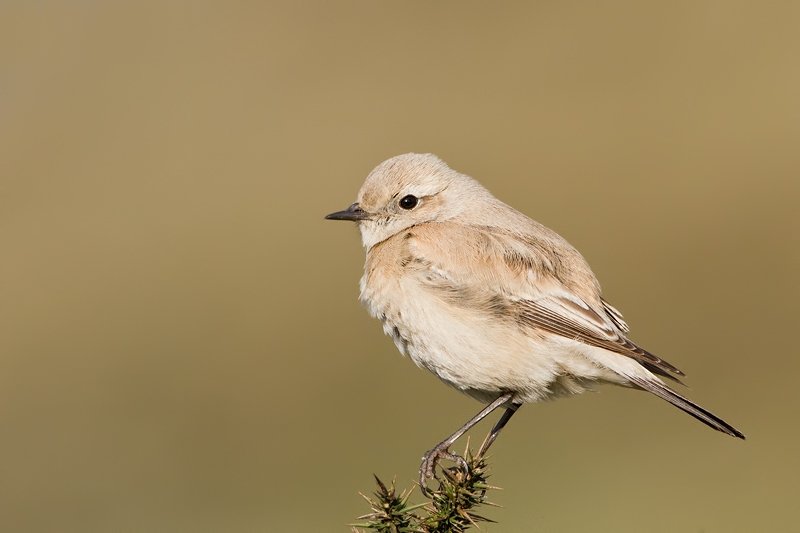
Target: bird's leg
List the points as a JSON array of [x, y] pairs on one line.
[[497, 427], [441, 451]]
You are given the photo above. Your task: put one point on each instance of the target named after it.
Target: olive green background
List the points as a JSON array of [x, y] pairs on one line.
[[182, 346]]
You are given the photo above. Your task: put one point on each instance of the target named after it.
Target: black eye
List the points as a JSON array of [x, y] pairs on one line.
[[408, 202]]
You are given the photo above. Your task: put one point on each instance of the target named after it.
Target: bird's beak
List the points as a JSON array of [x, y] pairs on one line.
[[354, 212]]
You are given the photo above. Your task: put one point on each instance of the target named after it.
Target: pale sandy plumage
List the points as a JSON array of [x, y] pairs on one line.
[[487, 299]]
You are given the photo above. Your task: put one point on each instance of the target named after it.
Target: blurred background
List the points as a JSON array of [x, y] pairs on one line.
[[182, 346]]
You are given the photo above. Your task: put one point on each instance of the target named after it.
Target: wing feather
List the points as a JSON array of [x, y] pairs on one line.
[[551, 315], [548, 288]]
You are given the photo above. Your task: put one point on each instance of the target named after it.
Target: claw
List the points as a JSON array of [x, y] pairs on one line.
[[427, 469]]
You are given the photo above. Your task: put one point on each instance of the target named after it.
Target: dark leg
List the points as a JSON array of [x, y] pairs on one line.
[[441, 451], [497, 427]]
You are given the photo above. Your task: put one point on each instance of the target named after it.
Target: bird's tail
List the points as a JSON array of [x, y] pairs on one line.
[[686, 405]]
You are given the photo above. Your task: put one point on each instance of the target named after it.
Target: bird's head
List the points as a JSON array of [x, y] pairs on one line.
[[405, 191]]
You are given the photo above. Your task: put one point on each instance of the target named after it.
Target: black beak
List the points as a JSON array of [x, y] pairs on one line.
[[351, 213]]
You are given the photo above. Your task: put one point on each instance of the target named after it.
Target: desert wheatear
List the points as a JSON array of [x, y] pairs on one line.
[[493, 303]]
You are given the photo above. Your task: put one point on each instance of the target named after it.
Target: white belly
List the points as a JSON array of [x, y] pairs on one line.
[[479, 353]]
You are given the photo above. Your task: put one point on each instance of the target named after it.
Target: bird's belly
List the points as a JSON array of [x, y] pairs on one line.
[[480, 354]]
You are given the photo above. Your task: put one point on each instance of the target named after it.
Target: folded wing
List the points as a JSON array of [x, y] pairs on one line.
[[548, 288]]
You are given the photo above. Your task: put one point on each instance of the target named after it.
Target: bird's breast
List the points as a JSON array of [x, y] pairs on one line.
[[467, 348]]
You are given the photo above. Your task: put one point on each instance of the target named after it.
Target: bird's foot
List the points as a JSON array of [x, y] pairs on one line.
[[429, 461]]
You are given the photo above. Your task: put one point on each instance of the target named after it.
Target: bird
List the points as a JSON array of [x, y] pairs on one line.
[[495, 304]]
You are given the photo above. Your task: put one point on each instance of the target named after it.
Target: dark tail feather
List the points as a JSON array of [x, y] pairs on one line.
[[686, 405]]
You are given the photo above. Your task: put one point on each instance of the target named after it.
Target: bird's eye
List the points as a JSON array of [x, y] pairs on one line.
[[408, 202]]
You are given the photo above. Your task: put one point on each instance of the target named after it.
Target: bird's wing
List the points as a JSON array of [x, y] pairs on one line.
[[572, 318], [615, 316], [546, 288]]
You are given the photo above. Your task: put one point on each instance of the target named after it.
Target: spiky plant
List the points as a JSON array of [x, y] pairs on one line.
[[390, 512], [450, 509]]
